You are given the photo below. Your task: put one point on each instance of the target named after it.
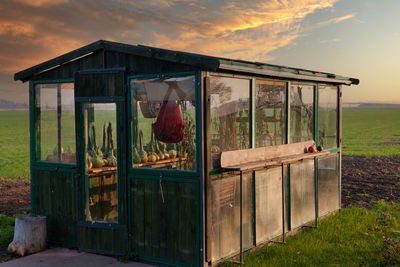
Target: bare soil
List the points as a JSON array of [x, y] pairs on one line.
[[14, 196], [365, 180]]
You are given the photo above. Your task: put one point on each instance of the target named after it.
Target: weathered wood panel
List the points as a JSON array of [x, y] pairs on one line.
[[163, 222], [99, 84], [55, 197]]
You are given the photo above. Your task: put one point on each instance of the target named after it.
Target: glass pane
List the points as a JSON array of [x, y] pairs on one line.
[[268, 204], [302, 192], [164, 123], [101, 162], [328, 184], [301, 113], [270, 113], [230, 115], [328, 116], [68, 123], [55, 122], [225, 225]]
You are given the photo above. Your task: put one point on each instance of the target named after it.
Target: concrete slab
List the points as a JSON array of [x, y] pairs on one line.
[[63, 257]]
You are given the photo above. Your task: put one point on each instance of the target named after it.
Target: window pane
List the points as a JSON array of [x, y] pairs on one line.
[[270, 113], [230, 115], [164, 123], [301, 113], [101, 162], [328, 116], [55, 122]]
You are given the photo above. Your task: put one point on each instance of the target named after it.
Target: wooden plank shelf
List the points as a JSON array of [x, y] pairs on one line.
[[262, 157], [161, 163], [93, 172], [274, 161]]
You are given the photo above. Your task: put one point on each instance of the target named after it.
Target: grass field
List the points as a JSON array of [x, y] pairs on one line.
[[14, 144], [365, 132]]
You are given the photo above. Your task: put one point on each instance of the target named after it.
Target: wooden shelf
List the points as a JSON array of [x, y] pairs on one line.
[[160, 164], [93, 172], [275, 161]]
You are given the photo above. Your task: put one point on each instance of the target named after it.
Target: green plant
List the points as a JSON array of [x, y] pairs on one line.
[[6, 230]]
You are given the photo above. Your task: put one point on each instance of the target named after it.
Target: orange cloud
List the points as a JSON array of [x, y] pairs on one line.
[[37, 30], [39, 3]]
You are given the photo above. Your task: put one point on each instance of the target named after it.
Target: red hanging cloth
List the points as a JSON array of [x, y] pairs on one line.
[[168, 127]]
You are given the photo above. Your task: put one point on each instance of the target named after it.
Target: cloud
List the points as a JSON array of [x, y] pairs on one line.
[[34, 31], [336, 20]]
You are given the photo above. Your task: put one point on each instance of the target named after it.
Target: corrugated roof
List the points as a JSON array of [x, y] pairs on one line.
[[206, 62]]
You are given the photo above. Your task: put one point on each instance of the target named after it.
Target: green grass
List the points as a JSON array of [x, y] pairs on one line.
[[6, 230], [352, 237], [14, 144], [364, 130]]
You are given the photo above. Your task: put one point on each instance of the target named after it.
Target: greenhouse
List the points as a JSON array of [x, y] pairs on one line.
[[178, 158]]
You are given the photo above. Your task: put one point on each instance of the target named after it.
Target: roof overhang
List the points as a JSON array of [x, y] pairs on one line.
[[288, 75]]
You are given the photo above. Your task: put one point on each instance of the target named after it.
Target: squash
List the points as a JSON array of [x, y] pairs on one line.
[[142, 153]]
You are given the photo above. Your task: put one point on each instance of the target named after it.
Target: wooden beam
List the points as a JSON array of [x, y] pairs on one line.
[[244, 156]]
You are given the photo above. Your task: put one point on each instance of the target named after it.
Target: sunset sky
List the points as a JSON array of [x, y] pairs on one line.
[[354, 38]]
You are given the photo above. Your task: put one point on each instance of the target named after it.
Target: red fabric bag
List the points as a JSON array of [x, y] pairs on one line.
[[168, 127]]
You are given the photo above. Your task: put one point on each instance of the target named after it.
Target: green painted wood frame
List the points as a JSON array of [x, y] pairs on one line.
[[174, 173], [193, 176], [34, 126], [82, 163]]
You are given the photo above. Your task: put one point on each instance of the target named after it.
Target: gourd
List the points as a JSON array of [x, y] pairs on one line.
[[158, 151], [103, 145], [55, 150], [96, 149], [142, 153], [151, 146], [97, 160], [97, 155], [135, 153], [172, 153], [111, 159], [135, 156], [163, 148]]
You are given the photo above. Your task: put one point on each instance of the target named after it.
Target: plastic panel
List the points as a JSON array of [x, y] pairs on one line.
[[302, 192], [328, 184], [226, 216], [268, 203]]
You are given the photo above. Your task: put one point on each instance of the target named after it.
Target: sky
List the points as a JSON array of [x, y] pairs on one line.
[[353, 38]]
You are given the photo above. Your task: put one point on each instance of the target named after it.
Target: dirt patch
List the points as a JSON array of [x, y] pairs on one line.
[[366, 180], [14, 196], [389, 143]]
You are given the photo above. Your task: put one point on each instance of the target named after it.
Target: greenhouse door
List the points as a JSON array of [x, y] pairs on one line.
[[100, 129]]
